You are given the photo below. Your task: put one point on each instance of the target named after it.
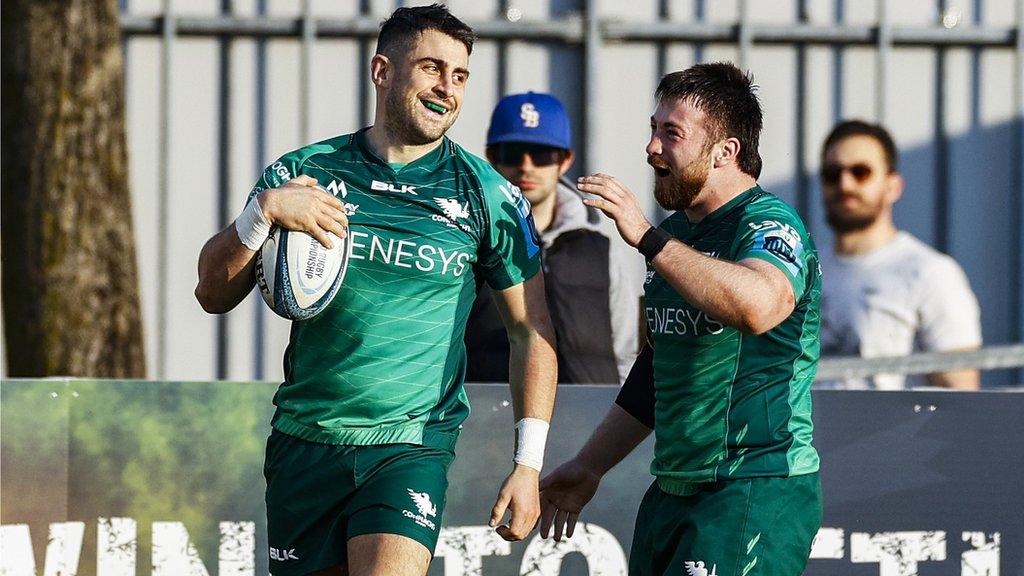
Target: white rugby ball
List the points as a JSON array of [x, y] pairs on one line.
[[297, 276]]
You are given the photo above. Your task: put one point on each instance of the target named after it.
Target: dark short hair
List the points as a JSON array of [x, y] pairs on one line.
[[849, 128], [404, 25], [726, 95]]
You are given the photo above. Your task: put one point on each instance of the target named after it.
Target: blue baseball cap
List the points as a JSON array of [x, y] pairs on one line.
[[530, 118]]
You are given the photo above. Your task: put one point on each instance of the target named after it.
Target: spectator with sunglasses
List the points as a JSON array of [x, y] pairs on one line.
[[885, 293], [592, 297]]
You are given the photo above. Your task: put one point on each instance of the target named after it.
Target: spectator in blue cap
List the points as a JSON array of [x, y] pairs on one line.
[[593, 300]]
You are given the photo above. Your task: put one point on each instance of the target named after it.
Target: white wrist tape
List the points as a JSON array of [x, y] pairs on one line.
[[531, 436], [252, 225]]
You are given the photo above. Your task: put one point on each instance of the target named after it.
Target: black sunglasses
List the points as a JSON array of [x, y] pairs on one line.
[[831, 173], [540, 155]]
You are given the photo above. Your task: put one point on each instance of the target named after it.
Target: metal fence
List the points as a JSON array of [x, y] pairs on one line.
[[601, 56]]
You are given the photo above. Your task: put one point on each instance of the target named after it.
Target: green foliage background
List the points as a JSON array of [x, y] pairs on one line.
[[189, 452]]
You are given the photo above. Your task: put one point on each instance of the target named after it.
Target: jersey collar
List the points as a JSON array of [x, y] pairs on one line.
[[741, 199], [432, 157]]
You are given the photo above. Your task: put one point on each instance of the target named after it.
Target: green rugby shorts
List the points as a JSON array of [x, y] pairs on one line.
[[321, 495], [747, 527]]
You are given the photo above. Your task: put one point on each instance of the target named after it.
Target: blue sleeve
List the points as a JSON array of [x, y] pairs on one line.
[[510, 251]]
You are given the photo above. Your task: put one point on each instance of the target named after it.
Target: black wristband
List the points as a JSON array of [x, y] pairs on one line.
[[652, 242]]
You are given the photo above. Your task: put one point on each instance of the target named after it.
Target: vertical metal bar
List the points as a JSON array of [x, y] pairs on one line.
[[259, 338], [362, 75], [661, 62], [501, 78], [976, 71], [698, 15], [746, 36], [305, 75], [224, 171], [658, 212], [803, 200], [884, 47], [975, 121], [591, 53], [837, 69], [941, 136], [1019, 180], [122, 7], [164, 170]]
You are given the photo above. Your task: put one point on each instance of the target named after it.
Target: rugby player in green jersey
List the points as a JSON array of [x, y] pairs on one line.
[[373, 397], [732, 301]]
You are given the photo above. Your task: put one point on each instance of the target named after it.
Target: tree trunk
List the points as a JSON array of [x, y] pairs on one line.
[[70, 283]]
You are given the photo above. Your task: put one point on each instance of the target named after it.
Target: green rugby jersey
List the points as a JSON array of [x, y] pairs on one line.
[[384, 363], [729, 404]]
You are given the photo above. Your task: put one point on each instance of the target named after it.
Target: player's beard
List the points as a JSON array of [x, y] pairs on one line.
[[405, 119], [679, 193], [853, 220]]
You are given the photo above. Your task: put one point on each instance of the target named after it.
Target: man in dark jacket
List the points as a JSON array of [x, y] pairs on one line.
[[592, 295]]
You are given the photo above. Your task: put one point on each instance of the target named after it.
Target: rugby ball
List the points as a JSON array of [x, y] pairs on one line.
[[297, 276]]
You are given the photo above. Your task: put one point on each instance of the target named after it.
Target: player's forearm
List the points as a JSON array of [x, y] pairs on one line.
[[533, 368], [533, 372], [615, 437], [732, 293], [956, 379], [225, 272]]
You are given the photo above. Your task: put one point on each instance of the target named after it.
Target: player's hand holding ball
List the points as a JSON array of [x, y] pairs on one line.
[[300, 266], [300, 204]]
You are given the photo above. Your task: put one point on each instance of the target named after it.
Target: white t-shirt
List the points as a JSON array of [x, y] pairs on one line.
[[902, 298]]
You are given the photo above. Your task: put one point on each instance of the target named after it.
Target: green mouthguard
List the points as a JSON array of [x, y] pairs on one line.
[[435, 107]]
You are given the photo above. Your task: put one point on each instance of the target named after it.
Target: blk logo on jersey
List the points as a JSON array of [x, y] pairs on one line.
[[386, 187], [283, 554]]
